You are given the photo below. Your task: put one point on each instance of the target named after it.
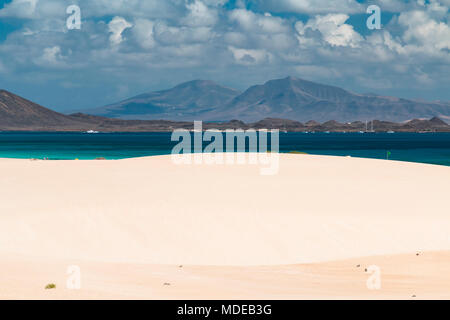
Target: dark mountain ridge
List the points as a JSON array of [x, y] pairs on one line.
[[288, 98], [19, 114]]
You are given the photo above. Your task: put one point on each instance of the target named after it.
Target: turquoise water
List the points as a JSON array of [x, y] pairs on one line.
[[431, 148]]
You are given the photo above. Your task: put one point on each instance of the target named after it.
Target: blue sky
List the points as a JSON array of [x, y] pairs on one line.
[[127, 47]]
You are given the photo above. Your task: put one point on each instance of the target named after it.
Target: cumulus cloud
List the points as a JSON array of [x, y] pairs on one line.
[[19, 9], [424, 31], [252, 22], [116, 27], [333, 29], [143, 32], [249, 57], [34, 9], [52, 55], [200, 15]]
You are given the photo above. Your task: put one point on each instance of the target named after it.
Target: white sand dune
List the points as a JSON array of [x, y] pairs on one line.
[[149, 211], [404, 276]]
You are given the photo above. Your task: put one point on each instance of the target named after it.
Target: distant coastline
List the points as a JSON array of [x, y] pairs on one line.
[[87, 123], [19, 114]]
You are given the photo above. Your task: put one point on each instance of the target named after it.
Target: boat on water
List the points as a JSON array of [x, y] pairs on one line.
[[91, 131], [390, 131]]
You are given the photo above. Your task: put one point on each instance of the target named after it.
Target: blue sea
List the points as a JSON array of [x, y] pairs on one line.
[[433, 148]]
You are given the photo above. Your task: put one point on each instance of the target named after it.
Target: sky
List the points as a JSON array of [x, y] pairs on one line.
[[127, 47]]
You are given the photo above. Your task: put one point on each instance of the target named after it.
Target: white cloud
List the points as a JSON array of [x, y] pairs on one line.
[[390, 5], [19, 9], [235, 38], [143, 31], [35, 9], [51, 58], [333, 29], [52, 55], [116, 26], [424, 31], [252, 22], [200, 15], [249, 57]]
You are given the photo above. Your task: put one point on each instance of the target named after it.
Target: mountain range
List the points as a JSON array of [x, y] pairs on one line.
[[289, 98], [19, 114]]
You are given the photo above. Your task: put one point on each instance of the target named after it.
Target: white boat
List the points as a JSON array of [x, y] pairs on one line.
[[390, 131], [92, 131]]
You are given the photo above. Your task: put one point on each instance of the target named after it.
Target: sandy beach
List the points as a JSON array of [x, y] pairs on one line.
[[146, 228]]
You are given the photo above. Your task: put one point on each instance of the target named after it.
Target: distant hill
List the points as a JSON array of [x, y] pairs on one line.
[[19, 113], [184, 101], [289, 98]]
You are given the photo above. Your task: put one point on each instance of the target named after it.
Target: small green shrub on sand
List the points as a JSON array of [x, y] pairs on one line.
[[50, 286]]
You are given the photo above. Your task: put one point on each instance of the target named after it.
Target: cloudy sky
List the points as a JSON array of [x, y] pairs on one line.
[[127, 47]]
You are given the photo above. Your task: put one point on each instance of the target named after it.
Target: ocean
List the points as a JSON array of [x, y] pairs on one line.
[[433, 148]]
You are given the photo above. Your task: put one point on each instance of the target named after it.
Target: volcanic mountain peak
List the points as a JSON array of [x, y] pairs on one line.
[[181, 101], [17, 112], [287, 98]]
